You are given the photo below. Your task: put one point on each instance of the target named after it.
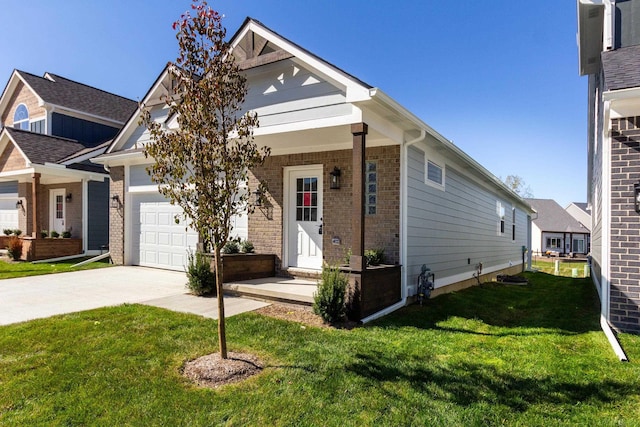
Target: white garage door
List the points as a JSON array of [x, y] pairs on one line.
[[157, 241], [8, 214]]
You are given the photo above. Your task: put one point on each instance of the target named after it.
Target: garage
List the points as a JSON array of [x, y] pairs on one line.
[[8, 213], [157, 241]]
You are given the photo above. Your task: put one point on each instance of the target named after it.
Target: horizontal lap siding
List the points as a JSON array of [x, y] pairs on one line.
[[451, 231]]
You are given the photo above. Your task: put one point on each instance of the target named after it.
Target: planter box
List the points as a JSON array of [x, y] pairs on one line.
[[37, 249], [238, 267], [372, 290]]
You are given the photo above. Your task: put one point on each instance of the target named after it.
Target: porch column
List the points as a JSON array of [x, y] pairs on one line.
[[359, 132], [35, 215]]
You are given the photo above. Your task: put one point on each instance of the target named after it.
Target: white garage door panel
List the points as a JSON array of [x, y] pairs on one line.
[[157, 240], [8, 214]]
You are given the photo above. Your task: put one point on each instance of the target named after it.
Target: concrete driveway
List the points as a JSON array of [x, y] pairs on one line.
[[35, 297]]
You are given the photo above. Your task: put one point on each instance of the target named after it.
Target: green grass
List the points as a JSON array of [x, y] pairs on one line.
[[24, 269], [489, 355]]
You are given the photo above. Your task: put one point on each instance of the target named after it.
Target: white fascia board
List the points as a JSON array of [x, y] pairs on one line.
[[354, 117], [620, 94], [16, 174], [51, 108], [590, 35], [88, 156], [121, 158], [355, 90], [63, 171], [11, 86], [390, 103]]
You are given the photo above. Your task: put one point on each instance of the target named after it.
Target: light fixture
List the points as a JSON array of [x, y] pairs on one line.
[[636, 192], [69, 198], [19, 204], [334, 178], [115, 201], [257, 198]]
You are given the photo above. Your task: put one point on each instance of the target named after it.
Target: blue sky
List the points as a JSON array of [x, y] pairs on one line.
[[499, 78]]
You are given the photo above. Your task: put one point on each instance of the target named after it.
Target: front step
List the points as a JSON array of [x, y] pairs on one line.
[[302, 273], [292, 291]]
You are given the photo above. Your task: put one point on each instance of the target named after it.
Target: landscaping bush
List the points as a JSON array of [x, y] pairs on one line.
[[202, 280], [66, 234], [17, 232], [15, 247], [246, 247], [44, 234], [54, 234], [7, 231], [231, 247], [374, 256], [329, 300]]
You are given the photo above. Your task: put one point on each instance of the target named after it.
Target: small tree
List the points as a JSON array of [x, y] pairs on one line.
[[517, 184], [203, 165]]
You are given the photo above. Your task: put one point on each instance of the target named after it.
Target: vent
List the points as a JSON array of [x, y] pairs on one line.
[[594, 13]]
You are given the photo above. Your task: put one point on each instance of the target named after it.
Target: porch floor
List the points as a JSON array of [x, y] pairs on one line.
[[295, 291]]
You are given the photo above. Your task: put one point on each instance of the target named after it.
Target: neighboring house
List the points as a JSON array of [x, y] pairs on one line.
[[51, 127], [581, 212], [609, 53], [555, 232], [415, 195]]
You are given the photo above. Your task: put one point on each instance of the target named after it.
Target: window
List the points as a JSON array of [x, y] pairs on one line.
[[434, 173], [513, 224], [500, 212], [553, 243], [37, 126], [21, 117], [371, 188], [307, 199]]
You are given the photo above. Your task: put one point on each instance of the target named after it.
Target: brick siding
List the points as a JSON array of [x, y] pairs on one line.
[[382, 229], [625, 225], [116, 215]]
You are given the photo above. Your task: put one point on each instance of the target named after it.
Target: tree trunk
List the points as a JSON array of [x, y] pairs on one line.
[[222, 335]]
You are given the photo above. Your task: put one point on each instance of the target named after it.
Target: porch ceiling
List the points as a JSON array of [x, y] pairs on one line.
[[319, 139]]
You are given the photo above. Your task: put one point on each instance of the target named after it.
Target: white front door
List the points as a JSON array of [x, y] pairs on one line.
[[57, 210], [304, 212]]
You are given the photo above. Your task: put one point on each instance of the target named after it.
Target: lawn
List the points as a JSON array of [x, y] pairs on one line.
[[547, 265], [10, 270], [489, 355]]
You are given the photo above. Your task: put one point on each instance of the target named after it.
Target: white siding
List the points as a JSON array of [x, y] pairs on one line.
[[140, 135], [452, 230]]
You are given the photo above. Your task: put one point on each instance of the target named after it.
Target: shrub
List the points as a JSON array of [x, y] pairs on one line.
[[66, 234], [17, 232], [246, 247], [44, 234], [231, 247], [7, 231], [374, 256], [15, 247], [329, 300], [202, 280], [54, 234]]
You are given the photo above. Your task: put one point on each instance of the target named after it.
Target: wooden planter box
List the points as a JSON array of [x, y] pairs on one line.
[[238, 267], [37, 249], [372, 290]]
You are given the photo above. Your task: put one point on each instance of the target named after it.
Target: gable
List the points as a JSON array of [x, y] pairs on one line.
[[11, 159], [22, 94]]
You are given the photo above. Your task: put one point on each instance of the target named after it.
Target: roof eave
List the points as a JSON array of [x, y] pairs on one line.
[[589, 37]]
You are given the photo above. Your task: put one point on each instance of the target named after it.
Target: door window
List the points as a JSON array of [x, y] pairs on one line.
[[307, 199]]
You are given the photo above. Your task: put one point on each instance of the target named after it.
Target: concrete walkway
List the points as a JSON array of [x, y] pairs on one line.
[[36, 297]]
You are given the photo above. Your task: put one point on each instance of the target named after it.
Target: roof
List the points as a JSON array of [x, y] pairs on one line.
[[57, 90], [583, 206], [621, 68], [41, 149], [552, 218]]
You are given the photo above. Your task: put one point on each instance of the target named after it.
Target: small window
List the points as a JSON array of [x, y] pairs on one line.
[[500, 212], [37, 126], [371, 188], [513, 224], [21, 117], [434, 173]]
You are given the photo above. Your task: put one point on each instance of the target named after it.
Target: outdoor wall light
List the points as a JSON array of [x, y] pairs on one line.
[[69, 198], [334, 178], [636, 192], [257, 198], [115, 201], [19, 204]]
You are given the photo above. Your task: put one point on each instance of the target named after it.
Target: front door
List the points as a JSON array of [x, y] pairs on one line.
[[57, 210], [305, 217]]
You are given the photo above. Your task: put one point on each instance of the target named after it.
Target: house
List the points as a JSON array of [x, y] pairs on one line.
[[350, 169], [609, 54], [555, 232], [581, 213], [51, 127]]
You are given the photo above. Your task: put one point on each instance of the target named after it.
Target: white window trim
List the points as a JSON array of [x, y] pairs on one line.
[[27, 120], [441, 165]]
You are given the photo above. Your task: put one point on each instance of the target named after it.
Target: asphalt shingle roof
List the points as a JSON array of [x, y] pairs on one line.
[[77, 96], [41, 148], [551, 217], [621, 68]]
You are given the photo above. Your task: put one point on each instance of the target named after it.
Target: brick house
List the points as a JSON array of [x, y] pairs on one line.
[[51, 127], [609, 54], [350, 170]]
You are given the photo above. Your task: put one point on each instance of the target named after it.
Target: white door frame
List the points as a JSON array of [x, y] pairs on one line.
[[286, 220], [52, 209]]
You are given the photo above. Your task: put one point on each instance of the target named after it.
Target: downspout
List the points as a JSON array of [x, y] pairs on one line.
[[403, 232]]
